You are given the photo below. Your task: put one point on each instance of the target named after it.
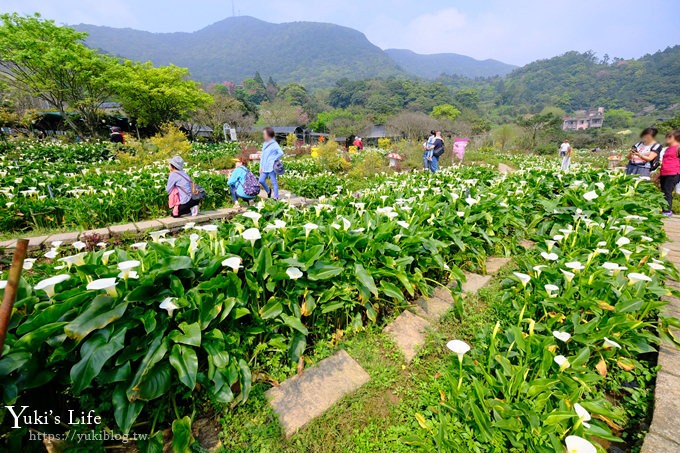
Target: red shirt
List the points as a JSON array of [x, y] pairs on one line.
[[670, 164]]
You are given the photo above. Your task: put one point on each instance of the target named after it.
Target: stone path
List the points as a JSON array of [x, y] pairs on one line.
[[409, 329], [664, 435], [302, 398], [138, 229]]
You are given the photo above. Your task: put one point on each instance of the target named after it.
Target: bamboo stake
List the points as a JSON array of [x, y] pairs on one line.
[[11, 288]]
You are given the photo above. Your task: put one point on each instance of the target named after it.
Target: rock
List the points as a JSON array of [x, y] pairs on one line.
[[495, 264], [505, 169]]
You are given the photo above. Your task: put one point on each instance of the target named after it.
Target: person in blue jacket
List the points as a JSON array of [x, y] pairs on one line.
[[237, 181], [271, 152]]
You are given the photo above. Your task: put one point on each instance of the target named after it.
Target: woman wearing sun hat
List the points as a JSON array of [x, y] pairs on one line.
[[180, 182]]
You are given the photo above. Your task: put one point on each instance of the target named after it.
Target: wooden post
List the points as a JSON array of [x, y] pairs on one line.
[[11, 288]]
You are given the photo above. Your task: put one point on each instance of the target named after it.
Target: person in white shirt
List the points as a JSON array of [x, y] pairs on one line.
[[643, 156], [565, 154]]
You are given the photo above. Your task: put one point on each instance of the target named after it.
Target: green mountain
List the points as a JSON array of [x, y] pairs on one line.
[[433, 66], [576, 81], [313, 54]]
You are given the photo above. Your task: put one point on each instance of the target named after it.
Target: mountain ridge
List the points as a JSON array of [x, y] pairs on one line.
[[315, 54], [431, 66]]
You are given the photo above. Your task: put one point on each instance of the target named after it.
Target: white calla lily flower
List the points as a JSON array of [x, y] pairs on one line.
[[294, 273], [523, 278], [49, 284], [583, 415], [562, 362], [574, 266], [79, 245], [460, 348], [234, 263], [562, 336], [576, 444], [608, 344], [550, 256], [104, 284], [636, 277], [590, 196], [169, 305], [252, 235], [552, 290]]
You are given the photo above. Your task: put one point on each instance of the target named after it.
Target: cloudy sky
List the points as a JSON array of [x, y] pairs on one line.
[[514, 31]]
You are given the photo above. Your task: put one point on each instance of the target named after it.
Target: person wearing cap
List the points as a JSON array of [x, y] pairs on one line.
[[180, 182], [565, 154]]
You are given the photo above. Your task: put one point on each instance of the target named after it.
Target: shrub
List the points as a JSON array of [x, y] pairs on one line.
[[545, 150], [371, 163], [384, 143], [330, 157]]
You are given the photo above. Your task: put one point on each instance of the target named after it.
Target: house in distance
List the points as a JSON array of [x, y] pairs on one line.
[[584, 119]]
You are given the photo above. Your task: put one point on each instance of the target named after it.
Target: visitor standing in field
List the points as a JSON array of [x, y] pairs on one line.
[[565, 154], [428, 147], [271, 153], [643, 157], [179, 188], [242, 182], [670, 170], [438, 149]]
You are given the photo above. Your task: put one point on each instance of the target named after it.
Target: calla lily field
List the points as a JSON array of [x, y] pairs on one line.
[[151, 334]]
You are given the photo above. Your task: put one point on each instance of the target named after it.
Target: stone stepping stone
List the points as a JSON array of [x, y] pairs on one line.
[[10, 244], [658, 444], [408, 333], [119, 230], [148, 225], [527, 244], [495, 264], [66, 238], [300, 399], [34, 243], [434, 308], [474, 282]]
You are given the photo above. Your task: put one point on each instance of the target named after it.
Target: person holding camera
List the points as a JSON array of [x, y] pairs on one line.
[[644, 156]]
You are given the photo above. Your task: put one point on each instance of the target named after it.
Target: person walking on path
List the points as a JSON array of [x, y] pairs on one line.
[[644, 155], [181, 184], [670, 170], [428, 146], [565, 154], [271, 153], [437, 151], [242, 183]]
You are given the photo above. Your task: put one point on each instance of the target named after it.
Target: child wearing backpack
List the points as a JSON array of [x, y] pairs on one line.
[[243, 183], [645, 155]]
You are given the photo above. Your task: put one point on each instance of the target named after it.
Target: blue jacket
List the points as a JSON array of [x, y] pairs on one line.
[[237, 179], [271, 152]]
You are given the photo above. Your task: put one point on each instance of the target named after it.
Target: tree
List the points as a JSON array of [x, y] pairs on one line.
[[280, 113], [467, 97], [503, 135], [51, 63], [294, 94], [154, 96], [618, 119], [412, 125], [445, 112], [535, 124], [223, 110]]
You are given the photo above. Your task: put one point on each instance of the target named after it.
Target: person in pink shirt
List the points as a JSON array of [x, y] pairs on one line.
[[670, 169]]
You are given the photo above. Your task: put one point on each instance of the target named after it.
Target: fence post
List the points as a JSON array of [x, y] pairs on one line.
[[11, 288]]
